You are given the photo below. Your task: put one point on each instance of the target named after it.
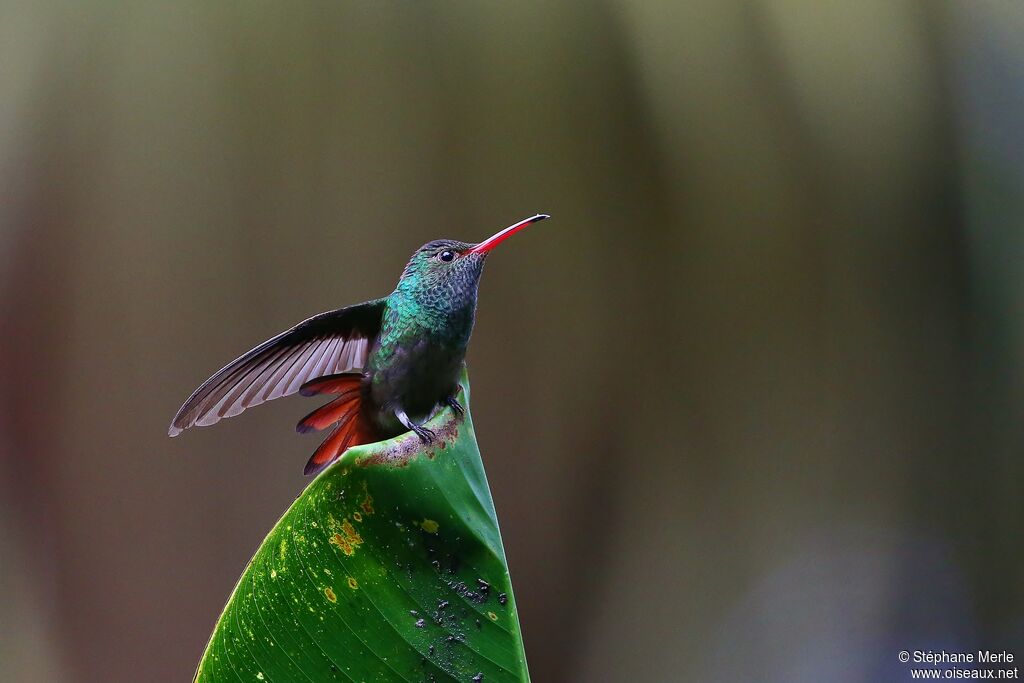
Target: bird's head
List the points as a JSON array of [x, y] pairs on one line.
[[449, 267]]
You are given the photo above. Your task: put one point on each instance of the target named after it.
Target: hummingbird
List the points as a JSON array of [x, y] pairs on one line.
[[389, 363]]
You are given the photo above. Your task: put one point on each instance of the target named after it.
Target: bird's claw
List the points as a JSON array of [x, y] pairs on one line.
[[454, 404], [426, 435]]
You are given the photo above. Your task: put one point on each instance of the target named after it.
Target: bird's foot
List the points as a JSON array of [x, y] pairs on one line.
[[426, 435], [454, 404]]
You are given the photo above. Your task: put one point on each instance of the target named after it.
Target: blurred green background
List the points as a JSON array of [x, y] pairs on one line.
[[750, 404]]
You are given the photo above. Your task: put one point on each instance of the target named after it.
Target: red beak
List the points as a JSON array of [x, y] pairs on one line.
[[499, 237]]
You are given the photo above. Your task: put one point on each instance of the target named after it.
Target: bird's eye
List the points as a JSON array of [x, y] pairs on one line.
[[446, 255]]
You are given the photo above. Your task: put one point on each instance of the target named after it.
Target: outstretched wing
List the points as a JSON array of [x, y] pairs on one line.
[[326, 344]]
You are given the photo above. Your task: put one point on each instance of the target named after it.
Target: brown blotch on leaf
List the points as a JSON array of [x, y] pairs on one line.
[[404, 448]]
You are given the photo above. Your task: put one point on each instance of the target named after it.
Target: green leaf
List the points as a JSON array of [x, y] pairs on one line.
[[388, 567]]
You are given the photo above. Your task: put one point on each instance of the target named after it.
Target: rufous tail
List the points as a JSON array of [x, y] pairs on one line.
[[345, 410]]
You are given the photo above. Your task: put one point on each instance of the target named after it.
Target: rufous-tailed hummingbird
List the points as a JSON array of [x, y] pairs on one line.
[[390, 362]]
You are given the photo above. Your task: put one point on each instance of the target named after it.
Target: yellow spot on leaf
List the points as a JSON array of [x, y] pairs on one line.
[[356, 516], [367, 504], [492, 616], [348, 539], [430, 526], [283, 548], [352, 583], [343, 544], [273, 573], [330, 594], [350, 532]]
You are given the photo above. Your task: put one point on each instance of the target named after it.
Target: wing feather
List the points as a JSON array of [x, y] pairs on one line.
[[277, 383], [329, 343]]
